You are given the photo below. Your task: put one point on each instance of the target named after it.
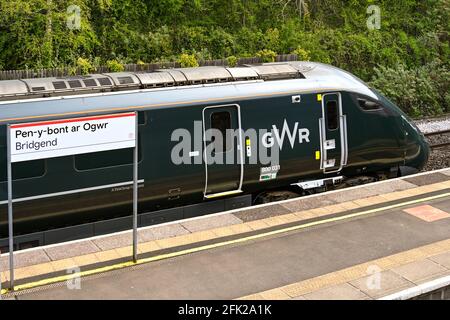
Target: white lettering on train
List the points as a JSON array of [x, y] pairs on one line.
[[269, 138]]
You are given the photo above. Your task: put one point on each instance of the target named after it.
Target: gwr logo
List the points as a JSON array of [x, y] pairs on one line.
[[269, 138]]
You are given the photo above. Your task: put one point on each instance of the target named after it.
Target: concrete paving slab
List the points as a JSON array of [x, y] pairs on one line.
[[115, 241], [167, 231], [427, 213], [442, 259], [211, 222], [276, 294], [4, 276], [446, 172], [72, 250], [343, 291], [149, 246], [257, 225], [382, 284], [420, 271], [262, 213], [390, 186], [444, 206], [370, 201], [27, 272], [428, 179], [24, 259], [308, 203], [63, 264], [350, 195]]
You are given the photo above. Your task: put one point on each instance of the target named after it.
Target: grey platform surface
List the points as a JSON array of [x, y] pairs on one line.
[[239, 270]]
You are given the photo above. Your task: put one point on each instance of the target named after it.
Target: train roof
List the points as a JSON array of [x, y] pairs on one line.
[[41, 98]]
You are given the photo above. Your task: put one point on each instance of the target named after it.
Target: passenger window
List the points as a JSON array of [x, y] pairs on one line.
[[368, 105], [332, 115], [106, 159], [20, 170], [222, 122], [28, 169]]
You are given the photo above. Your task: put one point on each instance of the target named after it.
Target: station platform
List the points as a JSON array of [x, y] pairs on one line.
[[367, 242]]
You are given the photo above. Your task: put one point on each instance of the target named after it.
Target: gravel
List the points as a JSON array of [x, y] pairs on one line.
[[433, 125], [439, 158]]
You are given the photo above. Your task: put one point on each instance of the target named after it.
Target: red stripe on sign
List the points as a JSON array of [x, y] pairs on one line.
[[43, 123]]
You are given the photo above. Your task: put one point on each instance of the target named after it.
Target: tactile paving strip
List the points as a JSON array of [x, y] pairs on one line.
[[427, 213]]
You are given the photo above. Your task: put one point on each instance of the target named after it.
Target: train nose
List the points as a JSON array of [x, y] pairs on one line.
[[417, 151], [424, 152]]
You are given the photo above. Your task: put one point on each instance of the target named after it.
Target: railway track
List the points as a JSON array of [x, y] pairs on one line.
[[438, 135]]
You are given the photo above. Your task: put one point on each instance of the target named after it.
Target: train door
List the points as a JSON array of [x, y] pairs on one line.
[[222, 139], [333, 127]]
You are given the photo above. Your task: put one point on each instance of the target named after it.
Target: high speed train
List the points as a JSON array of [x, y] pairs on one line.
[[298, 127]]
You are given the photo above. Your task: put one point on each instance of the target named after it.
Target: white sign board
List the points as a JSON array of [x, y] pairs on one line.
[[57, 138]]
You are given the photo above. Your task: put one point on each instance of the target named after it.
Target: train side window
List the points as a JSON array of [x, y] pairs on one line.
[[222, 121], [106, 159], [21, 170], [332, 115], [368, 105]]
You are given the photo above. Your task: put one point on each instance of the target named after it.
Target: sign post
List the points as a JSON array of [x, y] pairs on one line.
[[10, 208], [135, 192], [0, 277], [65, 137]]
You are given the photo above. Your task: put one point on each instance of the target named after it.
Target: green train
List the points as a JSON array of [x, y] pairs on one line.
[[290, 126]]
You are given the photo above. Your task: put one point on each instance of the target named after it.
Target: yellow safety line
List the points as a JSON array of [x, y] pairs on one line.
[[213, 246]]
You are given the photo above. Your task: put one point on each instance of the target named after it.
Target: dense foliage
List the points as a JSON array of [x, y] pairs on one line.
[[407, 58]]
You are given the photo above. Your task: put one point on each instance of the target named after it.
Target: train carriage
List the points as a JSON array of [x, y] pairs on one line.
[[325, 126]]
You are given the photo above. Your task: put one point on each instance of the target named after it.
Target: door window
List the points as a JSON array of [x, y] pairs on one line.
[[332, 115], [221, 121]]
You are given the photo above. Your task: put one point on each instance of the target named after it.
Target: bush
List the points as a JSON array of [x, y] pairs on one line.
[[302, 54], [115, 66], [221, 43], [248, 41], [272, 39], [158, 44], [232, 61], [85, 66], [188, 60], [202, 55], [421, 91], [266, 55]]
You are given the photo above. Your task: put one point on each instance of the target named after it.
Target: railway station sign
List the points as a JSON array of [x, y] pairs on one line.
[[57, 138]]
